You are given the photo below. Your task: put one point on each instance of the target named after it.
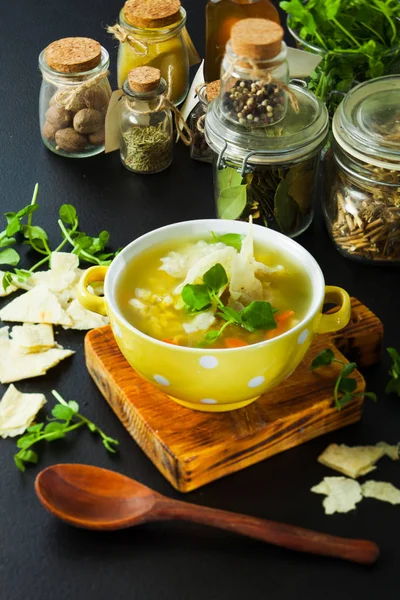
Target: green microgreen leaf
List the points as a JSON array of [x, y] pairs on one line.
[[68, 214], [196, 296], [215, 278], [393, 385], [323, 359], [62, 412], [229, 239], [9, 256], [259, 315]]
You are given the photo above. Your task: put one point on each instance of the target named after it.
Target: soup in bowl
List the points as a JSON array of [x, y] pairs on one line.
[[212, 312]]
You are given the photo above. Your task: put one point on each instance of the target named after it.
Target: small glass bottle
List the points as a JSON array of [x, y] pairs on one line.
[[146, 142], [74, 96], [255, 74], [199, 149], [221, 15], [155, 36]]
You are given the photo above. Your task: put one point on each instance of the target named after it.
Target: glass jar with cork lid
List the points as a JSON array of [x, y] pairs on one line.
[[362, 173], [199, 149], [255, 74], [74, 96], [146, 128], [152, 33]]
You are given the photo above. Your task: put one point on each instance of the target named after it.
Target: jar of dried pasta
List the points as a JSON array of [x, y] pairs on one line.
[[255, 74], [74, 96], [362, 173], [269, 173], [199, 149], [152, 33]]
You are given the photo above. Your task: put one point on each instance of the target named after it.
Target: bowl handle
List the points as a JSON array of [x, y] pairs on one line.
[[87, 299], [338, 320]]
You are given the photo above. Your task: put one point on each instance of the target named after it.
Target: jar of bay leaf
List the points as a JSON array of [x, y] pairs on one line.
[[74, 96], [270, 173], [362, 173], [199, 149], [153, 33], [146, 131]]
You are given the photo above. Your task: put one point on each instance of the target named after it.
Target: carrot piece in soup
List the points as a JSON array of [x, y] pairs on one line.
[[284, 316], [170, 342], [235, 343]]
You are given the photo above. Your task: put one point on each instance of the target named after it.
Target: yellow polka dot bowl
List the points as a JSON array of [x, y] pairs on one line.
[[220, 379]]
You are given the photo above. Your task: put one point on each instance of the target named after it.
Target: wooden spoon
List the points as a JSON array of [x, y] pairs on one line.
[[94, 498]]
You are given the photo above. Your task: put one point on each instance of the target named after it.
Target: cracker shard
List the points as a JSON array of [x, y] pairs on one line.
[[17, 411], [38, 305], [351, 461], [381, 490], [342, 494]]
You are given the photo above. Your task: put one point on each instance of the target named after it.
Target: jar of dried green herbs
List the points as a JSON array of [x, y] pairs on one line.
[[146, 132], [272, 172], [362, 173], [199, 149]]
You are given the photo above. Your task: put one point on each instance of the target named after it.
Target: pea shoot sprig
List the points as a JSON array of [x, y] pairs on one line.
[[393, 385], [87, 248], [345, 386], [65, 418], [198, 297]]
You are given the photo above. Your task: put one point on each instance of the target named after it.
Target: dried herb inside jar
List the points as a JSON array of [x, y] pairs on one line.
[[367, 218], [276, 197], [148, 148]]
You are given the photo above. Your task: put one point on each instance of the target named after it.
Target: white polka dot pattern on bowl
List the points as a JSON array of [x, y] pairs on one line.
[[208, 401], [256, 381], [117, 329], [208, 362], [161, 380], [302, 337]]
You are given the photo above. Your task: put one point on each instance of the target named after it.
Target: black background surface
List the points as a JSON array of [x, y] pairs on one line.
[[41, 558]]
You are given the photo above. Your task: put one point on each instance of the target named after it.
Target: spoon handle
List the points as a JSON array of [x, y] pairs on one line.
[[279, 534]]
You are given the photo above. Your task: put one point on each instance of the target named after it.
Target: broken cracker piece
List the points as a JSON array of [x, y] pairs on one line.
[[342, 494], [65, 261], [390, 451], [18, 410], [38, 305], [381, 490], [29, 338], [351, 461], [83, 319]]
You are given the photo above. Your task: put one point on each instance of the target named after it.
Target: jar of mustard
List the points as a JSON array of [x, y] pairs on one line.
[[74, 96], [152, 33]]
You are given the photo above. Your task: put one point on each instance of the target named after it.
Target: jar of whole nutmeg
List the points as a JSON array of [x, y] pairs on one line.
[[74, 96]]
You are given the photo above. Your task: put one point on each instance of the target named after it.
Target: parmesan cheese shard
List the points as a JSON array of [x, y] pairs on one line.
[[351, 461], [38, 305], [17, 411], [32, 338], [224, 257], [380, 490], [201, 322], [82, 318], [244, 286], [178, 264], [16, 365], [342, 494]]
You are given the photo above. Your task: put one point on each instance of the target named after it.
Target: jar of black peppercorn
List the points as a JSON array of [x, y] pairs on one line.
[[255, 74], [199, 149]]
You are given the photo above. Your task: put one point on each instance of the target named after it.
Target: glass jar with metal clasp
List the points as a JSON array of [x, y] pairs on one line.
[[270, 173]]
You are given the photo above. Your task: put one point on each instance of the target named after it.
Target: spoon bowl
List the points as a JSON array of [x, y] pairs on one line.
[[95, 498]]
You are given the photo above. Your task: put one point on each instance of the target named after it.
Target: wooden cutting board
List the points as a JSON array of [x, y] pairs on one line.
[[192, 448]]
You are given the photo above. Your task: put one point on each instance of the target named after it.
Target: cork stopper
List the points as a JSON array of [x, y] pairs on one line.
[[73, 55], [151, 13], [256, 38], [212, 90], [144, 79]]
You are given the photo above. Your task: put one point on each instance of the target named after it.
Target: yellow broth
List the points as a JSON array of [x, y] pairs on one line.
[[145, 297]]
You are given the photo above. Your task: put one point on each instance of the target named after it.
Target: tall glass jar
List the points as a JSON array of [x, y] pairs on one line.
[[74, 96], [146, 132], [221, 15], [199, 149], [155, 37], [269, 173], [255, 74], [362, 173]]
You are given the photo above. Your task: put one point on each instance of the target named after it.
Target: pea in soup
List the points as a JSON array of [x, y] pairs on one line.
[[219, 292]]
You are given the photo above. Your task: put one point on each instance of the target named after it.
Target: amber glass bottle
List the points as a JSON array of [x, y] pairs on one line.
[[220, 16]]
